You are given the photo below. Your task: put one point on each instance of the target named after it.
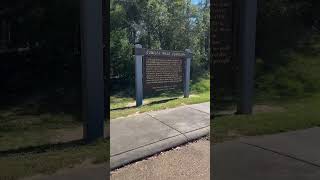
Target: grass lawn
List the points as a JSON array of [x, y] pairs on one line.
[[300, 113], [121, 105], [19, 130], [32, 143], [49, 159], [300, 110]]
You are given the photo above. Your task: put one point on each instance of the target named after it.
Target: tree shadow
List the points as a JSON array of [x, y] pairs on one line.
[[46, 148], [43, 148], [149, 104], [223, 115], [224, 107]]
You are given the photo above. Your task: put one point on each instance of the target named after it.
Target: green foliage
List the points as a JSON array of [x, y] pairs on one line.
[[300, 76], [287, 48], [201, 86], [158, 24], [121, 53]]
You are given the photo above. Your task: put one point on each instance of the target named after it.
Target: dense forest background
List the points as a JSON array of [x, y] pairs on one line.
[[40, 54], [158, 24], [287, 48]]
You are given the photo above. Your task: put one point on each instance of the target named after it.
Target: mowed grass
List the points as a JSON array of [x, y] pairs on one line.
[[300, 111], [122, 106], [50, 159], [23, 130], [297, 114], [42, 143]]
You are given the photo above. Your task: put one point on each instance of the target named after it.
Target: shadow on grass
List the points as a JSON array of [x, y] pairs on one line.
[[223, 115], [224, 108], [46, 148], [149, 104]]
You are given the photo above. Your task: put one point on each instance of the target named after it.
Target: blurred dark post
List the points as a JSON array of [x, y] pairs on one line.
[[186, 88], [92, 69], [247, 38], [106, 39]]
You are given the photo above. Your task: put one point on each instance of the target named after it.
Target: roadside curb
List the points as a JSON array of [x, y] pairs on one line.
[[123, 159]]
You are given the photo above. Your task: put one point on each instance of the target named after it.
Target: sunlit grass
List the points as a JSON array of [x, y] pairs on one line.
[[123, 106]]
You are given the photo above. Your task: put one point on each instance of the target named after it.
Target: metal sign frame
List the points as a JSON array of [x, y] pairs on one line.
[[140, 53]]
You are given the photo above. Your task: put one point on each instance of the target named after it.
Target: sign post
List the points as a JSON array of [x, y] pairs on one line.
[[247, 37], [187, 73], [138, 75], [92, 69]]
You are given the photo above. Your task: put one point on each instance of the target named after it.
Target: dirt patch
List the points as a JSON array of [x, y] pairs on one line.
[[233, 133], [267, 108], [66, 135], [130, 105], [193, 95], [259, 108]]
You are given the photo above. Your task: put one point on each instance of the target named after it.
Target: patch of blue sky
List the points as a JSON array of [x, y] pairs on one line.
[[195, 1]]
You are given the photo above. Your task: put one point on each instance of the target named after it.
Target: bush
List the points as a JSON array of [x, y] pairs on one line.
[[202, 85], [299, 77]]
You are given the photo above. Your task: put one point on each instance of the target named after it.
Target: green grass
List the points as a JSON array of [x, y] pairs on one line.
[[298, 114], [294, 86], [122, 106], [19, 165], [296, 75], [28, 143], [22, 130]]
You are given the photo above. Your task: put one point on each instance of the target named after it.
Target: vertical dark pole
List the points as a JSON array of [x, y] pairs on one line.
[[186, 89], [138, 76], [92, 69], [212, 93], [106, 40], [4, 34], [247, 37]]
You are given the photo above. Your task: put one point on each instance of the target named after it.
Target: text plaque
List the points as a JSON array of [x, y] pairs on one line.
[[163, 71]]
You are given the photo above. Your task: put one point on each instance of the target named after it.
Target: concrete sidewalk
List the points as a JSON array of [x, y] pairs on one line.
[[285, 156], [137, 137]]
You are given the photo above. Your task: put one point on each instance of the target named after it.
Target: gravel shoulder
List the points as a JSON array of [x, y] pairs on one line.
[[191, 161]]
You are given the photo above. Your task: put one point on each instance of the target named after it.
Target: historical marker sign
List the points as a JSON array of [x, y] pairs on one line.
[[161, 70]]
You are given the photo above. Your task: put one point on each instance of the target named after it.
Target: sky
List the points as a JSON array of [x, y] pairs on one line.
[[195, 1]]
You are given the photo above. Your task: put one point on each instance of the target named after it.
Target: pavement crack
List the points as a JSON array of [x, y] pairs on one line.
[[167, 125], [282, 154]]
